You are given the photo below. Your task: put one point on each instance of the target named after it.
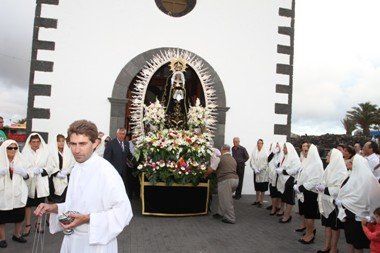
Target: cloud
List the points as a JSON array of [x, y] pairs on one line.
[[13, 102], [337, 62], [16, 28]]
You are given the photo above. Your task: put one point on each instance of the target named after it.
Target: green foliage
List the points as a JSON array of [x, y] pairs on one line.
[[365, 116]]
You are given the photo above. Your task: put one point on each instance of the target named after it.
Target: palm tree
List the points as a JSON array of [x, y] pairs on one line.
[[348, 125], [364, 115]]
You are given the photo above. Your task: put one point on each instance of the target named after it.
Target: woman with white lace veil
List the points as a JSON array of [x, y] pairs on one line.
[[36, 155], [308, 178], [357, 199], [259, 165], [328, 189], [289, 167], [61, 161], [274, 160], [13, 190]]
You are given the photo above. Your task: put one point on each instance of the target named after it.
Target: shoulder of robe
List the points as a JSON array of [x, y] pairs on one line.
[[105, 167]]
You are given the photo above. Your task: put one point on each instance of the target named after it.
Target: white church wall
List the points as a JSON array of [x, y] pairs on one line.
[[94, 40]]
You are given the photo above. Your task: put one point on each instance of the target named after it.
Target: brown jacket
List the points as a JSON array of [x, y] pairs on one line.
[[226, 168]]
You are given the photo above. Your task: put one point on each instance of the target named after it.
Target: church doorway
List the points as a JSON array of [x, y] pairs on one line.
[[159, 86], [121, 98]]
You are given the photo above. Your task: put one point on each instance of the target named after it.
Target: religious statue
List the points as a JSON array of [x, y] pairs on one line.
[[175, 98]]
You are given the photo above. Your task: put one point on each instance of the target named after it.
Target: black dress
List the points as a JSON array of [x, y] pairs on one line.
[[332, 221], [288, 195], [12, 216], [353, 229], [260, 187], [354, 233], [273, 191], [309, 208]]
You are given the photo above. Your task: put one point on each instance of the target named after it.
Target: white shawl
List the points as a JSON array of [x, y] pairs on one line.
[[102, 146], [291, 163], [13, 192], [38, 159], [272, 165], [360, 194], [259, 162], [332, 179], [68, 162], [311, 172]]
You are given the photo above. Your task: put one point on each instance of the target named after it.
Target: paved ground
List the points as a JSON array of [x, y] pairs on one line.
[[254, 231]]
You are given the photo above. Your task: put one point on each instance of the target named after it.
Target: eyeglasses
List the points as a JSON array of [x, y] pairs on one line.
[[10, 148]]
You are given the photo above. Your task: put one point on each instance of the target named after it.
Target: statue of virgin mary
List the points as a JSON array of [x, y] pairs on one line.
[[176, 102]]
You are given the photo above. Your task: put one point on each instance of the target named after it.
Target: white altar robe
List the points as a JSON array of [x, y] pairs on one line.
[[95, 188]]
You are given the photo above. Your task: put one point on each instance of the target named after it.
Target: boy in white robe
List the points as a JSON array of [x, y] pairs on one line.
[[96, 192]]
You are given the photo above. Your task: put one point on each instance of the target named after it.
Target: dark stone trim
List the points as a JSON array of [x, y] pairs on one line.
[[44, 45], [37, 65], [45, 66], [283, 12], [45, 22], [281, 129], [52, 2], [281, 88], [281, 49], [190, 6], [285, 30], [41, 113], [281, 108], [40, 90], [284, 69]]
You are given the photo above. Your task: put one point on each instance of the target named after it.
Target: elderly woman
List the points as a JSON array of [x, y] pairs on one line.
[[328, 189], [308, 178], [289, 167], [274, 160], [36, 155], [13, 191], [357, 198], [259, 165]]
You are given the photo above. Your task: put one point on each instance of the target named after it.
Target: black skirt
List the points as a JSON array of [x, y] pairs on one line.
[[309, 208], [274, 193], [35, 202], [261, 187], [12, 216], [354, 232], [254, 181], [288, 195], [332, 221]]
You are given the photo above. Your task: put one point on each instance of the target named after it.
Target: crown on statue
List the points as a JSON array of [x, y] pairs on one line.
[[178, 64]]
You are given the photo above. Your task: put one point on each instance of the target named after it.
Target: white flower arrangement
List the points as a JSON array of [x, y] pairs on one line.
[[154, 115], [199, 116]]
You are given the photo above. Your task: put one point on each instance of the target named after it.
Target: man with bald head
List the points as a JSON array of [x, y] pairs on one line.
[[241, 156]]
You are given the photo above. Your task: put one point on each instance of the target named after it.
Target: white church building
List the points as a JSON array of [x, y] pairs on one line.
[[88, 56]]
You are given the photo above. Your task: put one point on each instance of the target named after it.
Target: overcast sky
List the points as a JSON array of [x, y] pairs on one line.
[[336, 61]]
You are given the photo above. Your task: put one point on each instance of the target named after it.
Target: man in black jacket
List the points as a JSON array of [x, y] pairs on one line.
[[118, 153], [241, 156]]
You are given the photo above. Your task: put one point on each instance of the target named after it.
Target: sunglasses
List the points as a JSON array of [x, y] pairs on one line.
[[10, 148]]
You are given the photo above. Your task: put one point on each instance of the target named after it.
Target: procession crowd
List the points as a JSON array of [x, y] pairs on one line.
[[345, 194], [40, 174]]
